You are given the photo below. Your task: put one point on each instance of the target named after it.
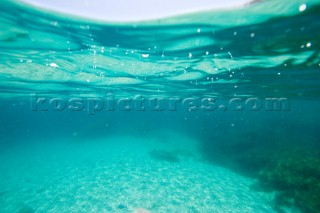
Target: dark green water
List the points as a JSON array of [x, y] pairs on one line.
[[216, 111]]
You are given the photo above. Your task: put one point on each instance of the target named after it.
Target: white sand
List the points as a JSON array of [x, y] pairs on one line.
[[120, 175]]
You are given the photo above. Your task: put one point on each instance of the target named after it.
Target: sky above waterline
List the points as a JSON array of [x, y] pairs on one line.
[[132, 10]]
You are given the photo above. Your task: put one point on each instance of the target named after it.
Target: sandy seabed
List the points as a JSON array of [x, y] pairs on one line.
[[121, 174]]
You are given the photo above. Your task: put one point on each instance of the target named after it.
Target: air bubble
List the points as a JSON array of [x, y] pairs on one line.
[[302, 7], [54, 65], [145, 55]]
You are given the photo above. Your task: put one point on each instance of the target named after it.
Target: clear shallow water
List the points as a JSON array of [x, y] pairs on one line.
[[174, 160]]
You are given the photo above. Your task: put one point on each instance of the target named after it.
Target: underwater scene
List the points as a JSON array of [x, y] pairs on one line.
[[211, 111]]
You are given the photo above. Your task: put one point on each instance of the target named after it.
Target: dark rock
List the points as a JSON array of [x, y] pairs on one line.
[[121, 206], [164, 156]]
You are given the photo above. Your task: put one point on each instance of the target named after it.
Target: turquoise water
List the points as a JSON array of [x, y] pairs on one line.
[[215, 111]]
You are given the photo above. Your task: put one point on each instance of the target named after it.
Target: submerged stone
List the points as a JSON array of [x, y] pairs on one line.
[[164, 156], [121, 206]]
